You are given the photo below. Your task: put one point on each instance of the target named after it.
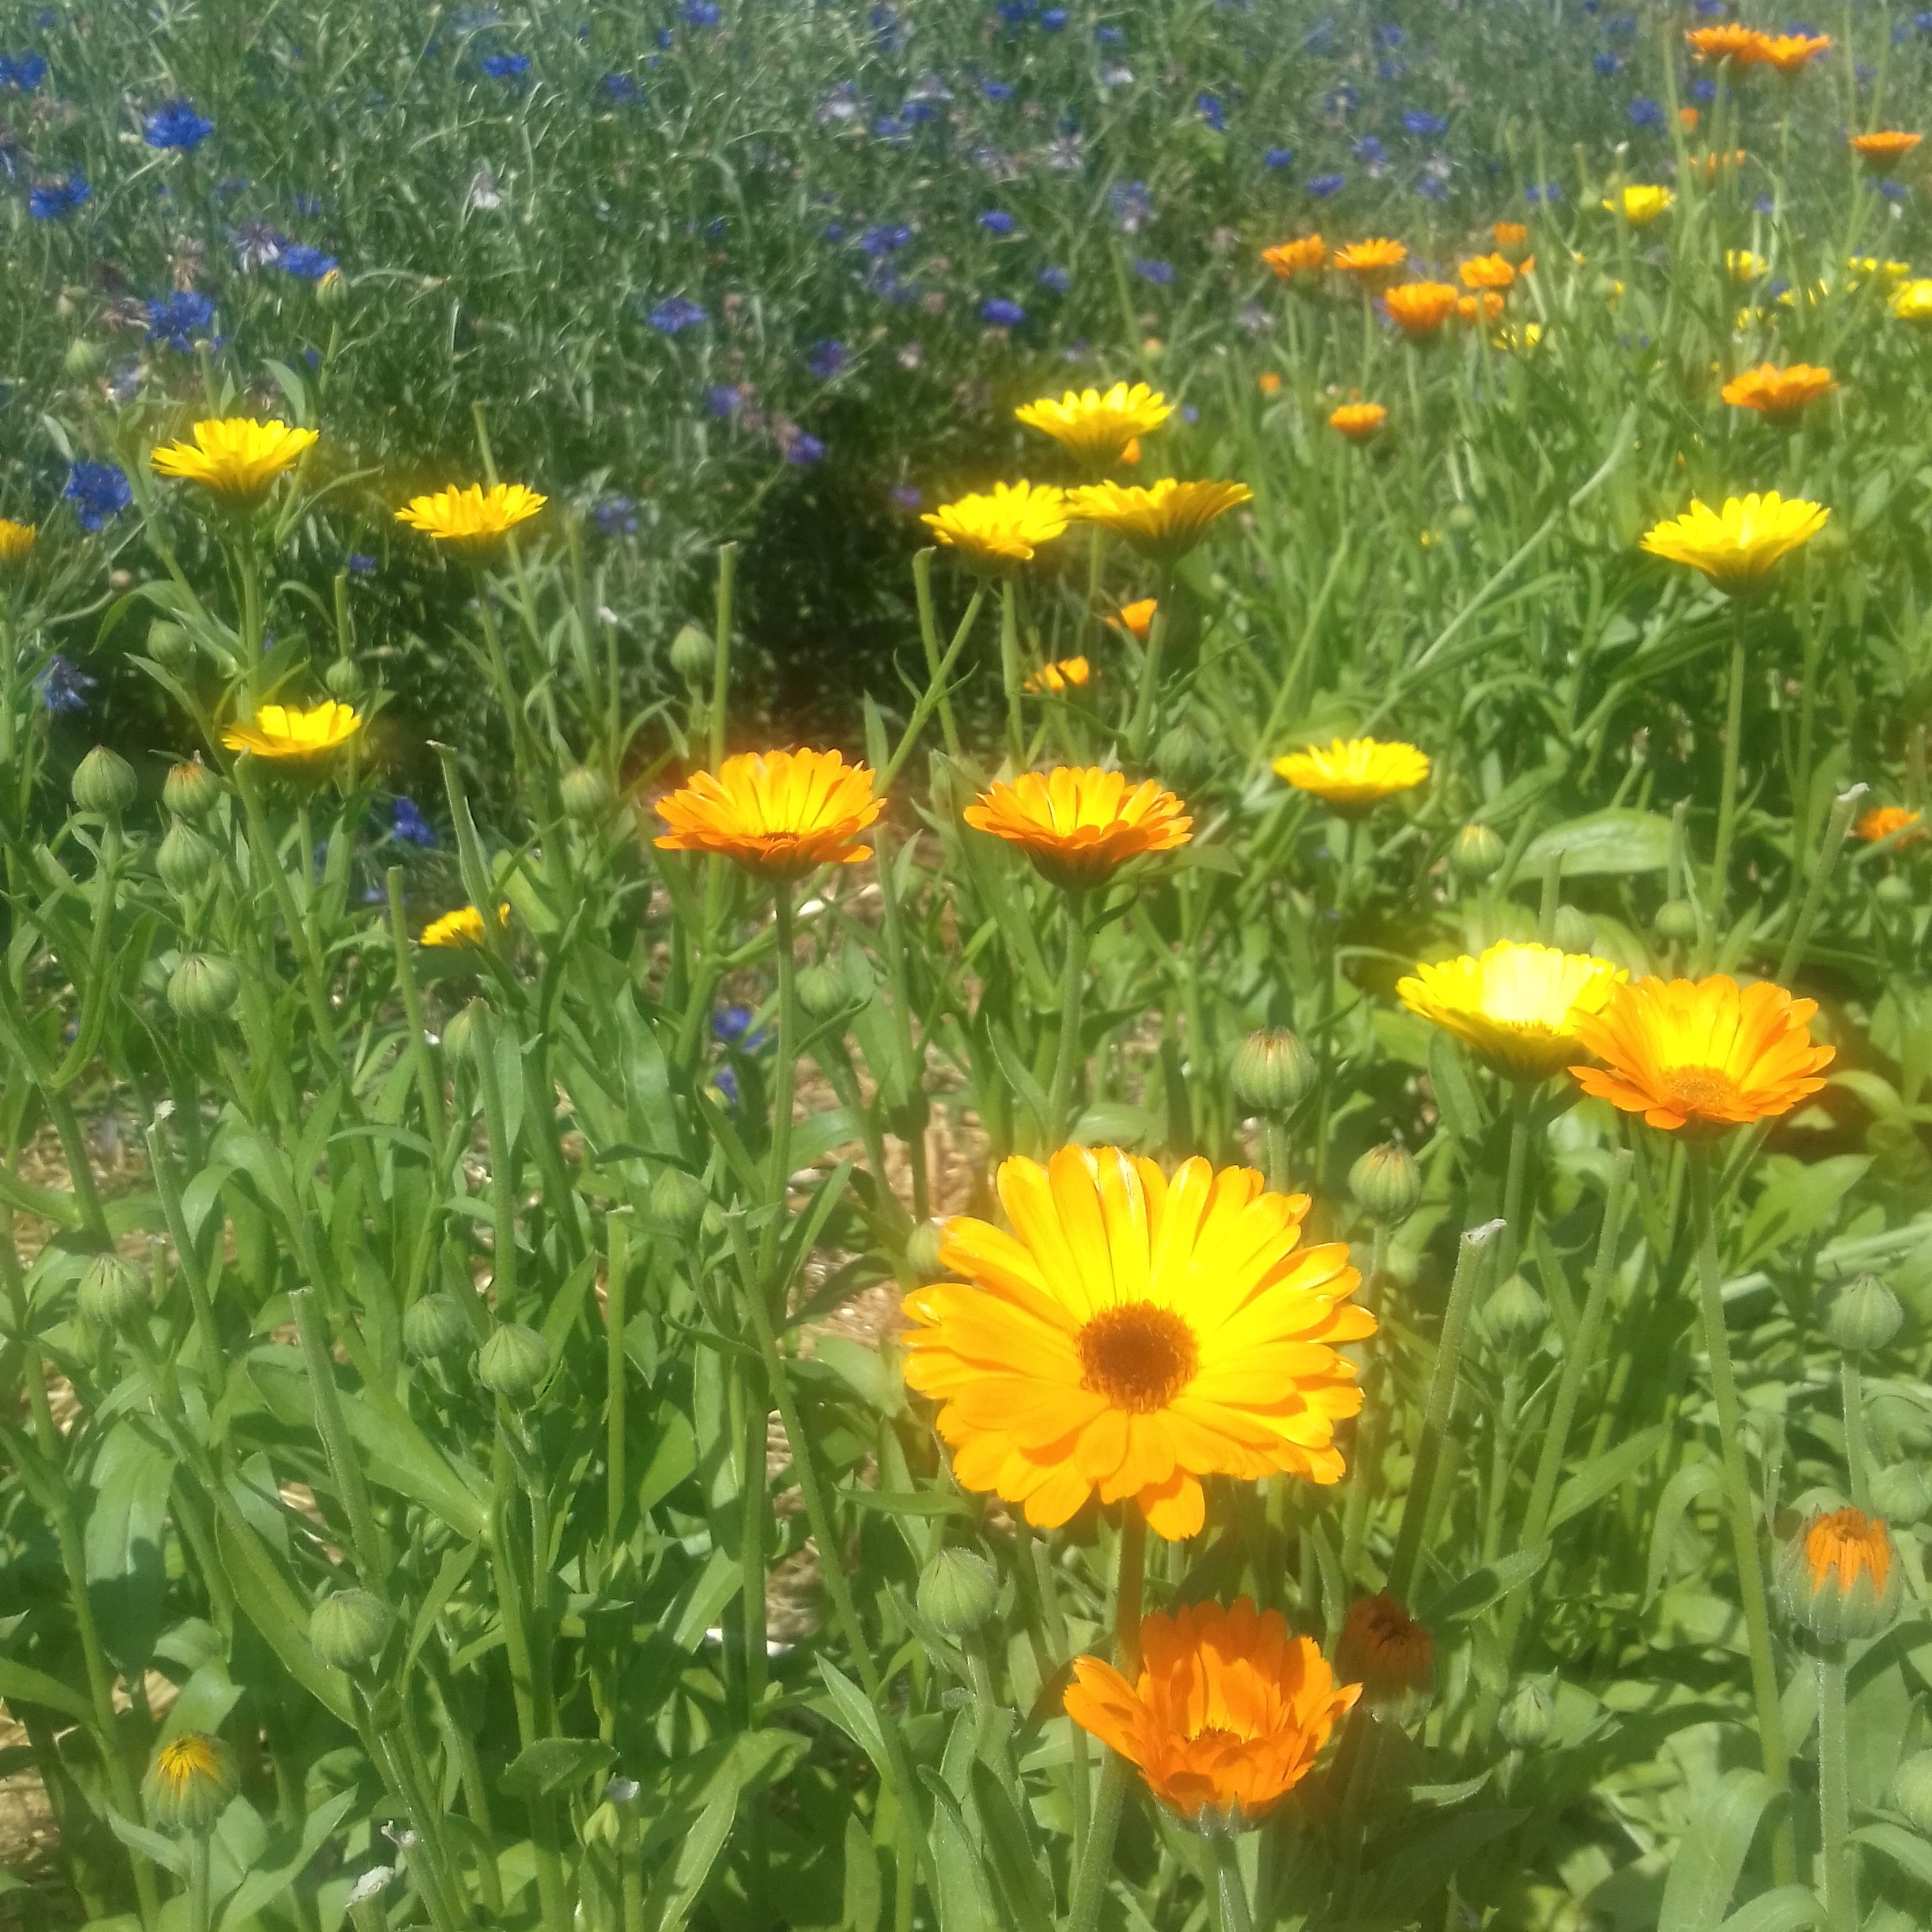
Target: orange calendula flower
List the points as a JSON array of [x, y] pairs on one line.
[[1509, 235], [1390, 1655], [1358, 420], [1369, 259], [1791, 53], [1705, 1054], [776, 813], [1517, 1006], [1133, 1334], [1733, 41], [1838, 1576], [1096, 426], [1737, 546], [1353, 774], [1136, 619], [1420, 308], [472, 518], [1079, 823], [1777, 393], [1165, 520], [1229, 1712], [1487, 306], [1063, 676], [1883, 149], [287, 732], [1886, 821], [17, 540], [236, 457], [998, 531], [463, 927], [1688, 119], [1268, 382], [1486, 271], [1303, 256]]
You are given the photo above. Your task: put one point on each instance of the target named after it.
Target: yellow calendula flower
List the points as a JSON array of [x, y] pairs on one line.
[[286, 732], [17, 541], [1741, 265], [1056, 679], [236, 457], [1096, 426], [190, 1782], [1299, 257], [1370, 260], [463, 927], [1641, 206], [1487, 271], [1355, 774], [1163, 521], [1791, 53], [1736, 547], [1859, 267], [777, 813], [1079, 823], [999, 530], [471, 517], [1517, 1006], [1913, 302]]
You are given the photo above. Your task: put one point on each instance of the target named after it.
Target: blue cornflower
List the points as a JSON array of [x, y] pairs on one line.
[[25, 71], [1056, 279], [1431, 188], [299, 260], [722, 399], [1323, 186], [1417, 122], [698, 13], [1190, 413], [1053, 19], [61, 686], [1370, 151], [98, 491], [620, 87], [1149, 269], [310, 206], [1703, 92], [1391, 70], [174, 124], [726, 1082], [1133, 207], [1001, 313], [885, 238], [1109, 36], [1864, 72], [1606, 64], [998, 221], [1211, 110], [802, 449], [1645, 112], [889, 127], [732, 1025], [826, 359], [1277, 157], [53, 201], [997, 90], [617, 517], [1015, 13], [676, 313], [361, 564], [410, 827], [1549, 191], [1922, 22], [506, 66], [1391, 36], [906, 496], [177, 319], [1894, 191]]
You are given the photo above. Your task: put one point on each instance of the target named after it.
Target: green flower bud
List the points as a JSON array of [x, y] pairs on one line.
[[1911, 1791], [513, 1362], [1386, 1183], [922, 1250], [203, 986], [189, 1783], [1272, 1071], [169, 646], [348, 1629], [343, 680], [190, 790], [822, 990], [457, 1032], [332, 290], [1575, 931], [1478, 853], [185, 859], [1676, 921], [104, 782], [1863, 1317], [587, 794], [1529, 1716], [113, 1294], [1900, 1494], [84, 360], [959, 1590], [1515, 1316], [678, 1200], [1183, 758], [434, 1325], [1839, 1577], [692, 654]]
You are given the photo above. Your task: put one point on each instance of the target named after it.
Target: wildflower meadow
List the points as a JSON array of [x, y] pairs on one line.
[[965, 966]]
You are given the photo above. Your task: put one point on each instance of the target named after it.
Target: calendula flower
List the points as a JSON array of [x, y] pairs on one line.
[[1420, 308], [1710, 164], [1486, 306], [1641, 206], [1518, 1006], [1268, 382], [1913, 302], [1525, 338], [463, 927], [1883, 149], [286, 732], [1358, 420], [1884, 821], [1079, 823], [1000, 530], [1370, 260], [236, 457], [1162, 522], [1066, 674], [1742, 46], [1133, 1334], [1736, 547], [1859, 267], [1705, 1054], [1486, 271], [1355, 774], [1741, 265], [1791, 53], [474, 517], [17, 541], [1509, 235], [1838, 1577], [1390, 1655], [1096, 427], [777, 813], [1136, 618], [1228, 1712], [1301, 256], [189, 1782], [1777, 393]]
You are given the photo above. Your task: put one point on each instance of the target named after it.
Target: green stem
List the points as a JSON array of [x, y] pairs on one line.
[[617, 1282], [1230, 1888], [1727, 796], [199, 1917], [1009, 672], [1841, 1909], [502, 1160], [721, 661], [428, 1081], [371, 1549], [1858, 1464], [1522, 1097], [936, 667], [784, 1076], [1141, 732], [1067, 1055]]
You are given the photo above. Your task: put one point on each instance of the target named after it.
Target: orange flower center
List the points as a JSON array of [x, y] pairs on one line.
[[1214, 1734], [1837, 1547], [1700, 1090], [1139, 1356]]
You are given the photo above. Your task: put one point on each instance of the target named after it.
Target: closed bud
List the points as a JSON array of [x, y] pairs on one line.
[[586, 794], [1839, 1577], [1478, 853], [348, 1629], [169, 646], [1575, 931], [1911, 1791], [959, 1590], [692, 654], [343, 680], [1183, 758], [83, 360], [1676, 921], [1529, 1717], [332, 290], [203, 986], [190, 790], [104, 782], [678, 1200], [189, 1783], [822, 990], [1863, 1317], [1900, 1494], [185, 859], [1386, 1183], [1392, 1657], [513, 1362], [434, 1326], [922, 1249], [1272, 1071], [113, 1294], [1894, 892], [1515, 1316]]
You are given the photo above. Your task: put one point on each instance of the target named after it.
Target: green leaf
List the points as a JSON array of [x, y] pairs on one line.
[[122, 1541], [152, 1846], [851, 1711], [454, 1567], [204, 1701], [865, 1895], [1704, 1872], [22, 1684], [1598, 1478], [1618, 840], [906, 1502], [554, 1765], [674, 1456], [676, 1890], [865, 1371], [1482, 1587], [261, 1885], [1415, 1862], [1456, 1104], [965, 1900], [1800, 1200], [270, 1604], [1790, 1908], [1911, 1854], [401, 1458], [1020, 1869]]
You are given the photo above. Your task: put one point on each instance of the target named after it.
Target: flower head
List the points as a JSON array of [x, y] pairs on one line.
[[1420, 308], [1707, 1053], [174, 124], [1913, 302], [463, 927], [284, 731], [1229, 1712], [1094, 426], [1791, 53], [1486, 305], [190, 1782], [1390, 1655], [1133, 1334], [1163, 521], [1518, 1006], [1736, 547], [1883, 150], [177, 320], [1377, 256], [1136, 619], [1640, 206], [1731, 40], [1303, 256], [1358, 420], [1355, 774], [1509, 236], [1777, 393], [1742, 265], [236, 457], [16, 541], [777, 813], [1061, 677], [1839, 1578], [473, 517], [1079, 823], [1486, 271], [1886, 821], [998, 530]]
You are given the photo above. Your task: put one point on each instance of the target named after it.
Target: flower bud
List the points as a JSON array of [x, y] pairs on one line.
[[1272, 1071], [1529, 1717], [959, 1590], [170, 646], [1894, 892], [587, 794], [343, 680], [203, 986], [1183, 758], [190, 790], [1386, 1183], [1911, 1791], [822, 990], [1900, 1494], [1839, 1578], [922, 1249], [1676, 921], [190, 1782], [104, 782], [435, 1325], [678, 1200], [1515, 1316], [185, 859], [1478, 853], [348, 1629], [332, 290], [1574, 931], [1392, 1657], [513, 1362], [458, 1031], [692, 654], [83, 360], [1863, 1317], [112, 1293]]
